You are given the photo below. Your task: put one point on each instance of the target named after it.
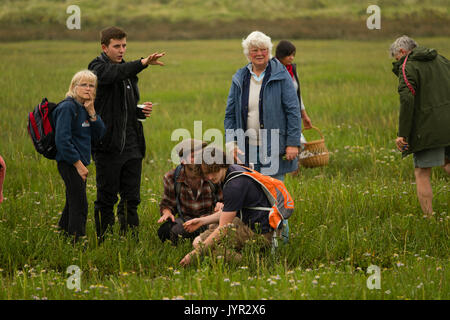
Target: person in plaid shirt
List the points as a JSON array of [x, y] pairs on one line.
[[197, 196]]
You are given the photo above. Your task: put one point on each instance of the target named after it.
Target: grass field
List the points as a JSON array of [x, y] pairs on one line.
[[361, 210], [219, 19]]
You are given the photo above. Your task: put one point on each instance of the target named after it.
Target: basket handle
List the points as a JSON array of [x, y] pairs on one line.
[[315, 128]]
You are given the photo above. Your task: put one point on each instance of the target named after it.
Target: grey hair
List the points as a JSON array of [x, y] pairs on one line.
[[259, 40], [404, 42]]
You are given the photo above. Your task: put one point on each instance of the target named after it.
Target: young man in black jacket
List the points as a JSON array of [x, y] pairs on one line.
[[118, 155]]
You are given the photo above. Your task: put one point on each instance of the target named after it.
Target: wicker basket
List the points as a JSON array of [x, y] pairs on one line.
[[314, 153]]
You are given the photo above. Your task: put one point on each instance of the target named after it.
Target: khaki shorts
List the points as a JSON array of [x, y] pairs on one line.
[[431, 157]]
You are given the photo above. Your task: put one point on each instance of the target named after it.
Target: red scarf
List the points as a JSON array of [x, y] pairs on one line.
[[289, 68]]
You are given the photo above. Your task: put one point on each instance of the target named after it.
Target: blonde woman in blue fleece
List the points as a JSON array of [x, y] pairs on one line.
[[76, 124]]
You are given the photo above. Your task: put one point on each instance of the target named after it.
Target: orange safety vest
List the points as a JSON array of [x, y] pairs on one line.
[[282, 204]]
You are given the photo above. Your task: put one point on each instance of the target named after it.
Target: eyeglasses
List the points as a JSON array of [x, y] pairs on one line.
[[85, 85], [257, 50]]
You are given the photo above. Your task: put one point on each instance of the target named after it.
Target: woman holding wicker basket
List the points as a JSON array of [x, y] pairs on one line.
[[285, 53], [314, 153]]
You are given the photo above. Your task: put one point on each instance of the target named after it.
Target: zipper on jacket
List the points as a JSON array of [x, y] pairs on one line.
[[124, 130], [240, 96]]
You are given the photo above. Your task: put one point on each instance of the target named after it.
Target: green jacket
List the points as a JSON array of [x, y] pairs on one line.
[[424, 89]]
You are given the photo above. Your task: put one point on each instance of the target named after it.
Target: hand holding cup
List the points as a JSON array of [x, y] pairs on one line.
[[144, 110]]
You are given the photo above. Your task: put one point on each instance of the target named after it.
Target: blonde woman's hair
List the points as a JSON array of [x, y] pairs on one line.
[[80, 76], [259, 40]]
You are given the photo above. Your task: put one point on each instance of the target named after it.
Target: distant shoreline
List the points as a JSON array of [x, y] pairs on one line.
[[299, 28]]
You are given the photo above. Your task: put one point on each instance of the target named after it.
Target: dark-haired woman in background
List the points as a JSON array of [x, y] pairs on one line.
[[285, 52]]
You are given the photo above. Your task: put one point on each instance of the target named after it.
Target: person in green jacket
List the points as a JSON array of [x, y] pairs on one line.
[[424, 120]]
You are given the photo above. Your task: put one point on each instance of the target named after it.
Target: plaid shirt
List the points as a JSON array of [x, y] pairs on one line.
[[192, 206]]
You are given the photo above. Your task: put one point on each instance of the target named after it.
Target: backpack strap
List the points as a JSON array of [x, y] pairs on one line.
[[177, 187], [213, 188], [232, 175], [236, 174], [274, 242], [259, 208], [52, 121], [404, 77]]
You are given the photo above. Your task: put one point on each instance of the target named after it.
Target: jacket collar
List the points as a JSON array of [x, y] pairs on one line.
[[275, 67], [396, 65], [417, 54], [78, 104], [278, 69], [103, 56]]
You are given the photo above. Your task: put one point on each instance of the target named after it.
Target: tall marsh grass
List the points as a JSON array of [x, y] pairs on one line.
[[358, 211]]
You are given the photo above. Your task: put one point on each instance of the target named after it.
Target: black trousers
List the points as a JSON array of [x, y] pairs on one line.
[[117, 175], [74, 215]]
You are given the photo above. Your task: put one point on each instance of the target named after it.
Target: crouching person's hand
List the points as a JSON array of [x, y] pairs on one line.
[[188, 258], [193, 224], [166, 215], [219, 206]]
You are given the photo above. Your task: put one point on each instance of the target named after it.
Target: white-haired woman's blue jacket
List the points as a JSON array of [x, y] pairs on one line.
[[279, 109]]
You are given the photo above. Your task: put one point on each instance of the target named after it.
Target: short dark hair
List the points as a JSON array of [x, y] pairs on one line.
[[284, 48], [111, 33], [218, 160]]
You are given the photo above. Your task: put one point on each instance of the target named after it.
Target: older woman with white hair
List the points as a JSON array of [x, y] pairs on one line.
[[76, 123], [263, 103]]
